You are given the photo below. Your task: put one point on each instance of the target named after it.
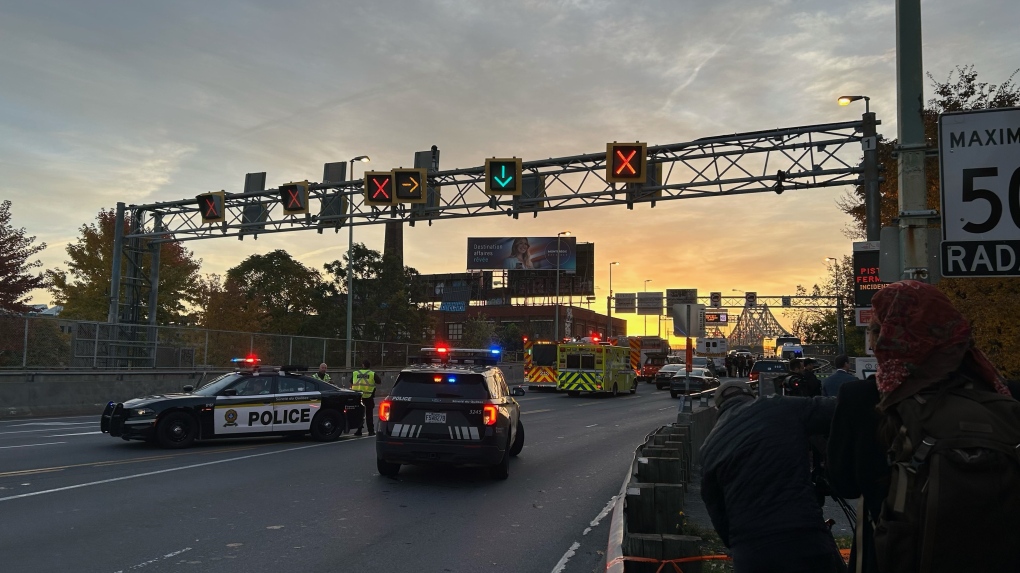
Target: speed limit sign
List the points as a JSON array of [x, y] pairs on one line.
[[979, 163]]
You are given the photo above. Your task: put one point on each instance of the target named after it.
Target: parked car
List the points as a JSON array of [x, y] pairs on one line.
[[664, 374], [769, 370], [701, 379]]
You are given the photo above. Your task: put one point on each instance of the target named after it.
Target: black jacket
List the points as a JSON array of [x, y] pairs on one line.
[[756, 478], [856, 459]]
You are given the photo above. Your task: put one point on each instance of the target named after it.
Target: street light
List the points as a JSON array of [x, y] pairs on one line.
[[646, 316], [869, 164], [609, 302], [350, 260], [847, 100], [556, 323], [840, 328]]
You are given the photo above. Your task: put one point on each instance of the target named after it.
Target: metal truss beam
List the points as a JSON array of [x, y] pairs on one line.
[[806, 157]]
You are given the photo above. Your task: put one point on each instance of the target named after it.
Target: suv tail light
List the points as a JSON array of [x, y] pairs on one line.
[[753, 376], [489, 414], [384, 410]]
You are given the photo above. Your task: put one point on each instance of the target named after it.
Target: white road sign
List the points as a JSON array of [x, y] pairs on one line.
[[979, 157]]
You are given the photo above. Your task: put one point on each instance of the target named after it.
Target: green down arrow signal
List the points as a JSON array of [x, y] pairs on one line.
[[505, 179]]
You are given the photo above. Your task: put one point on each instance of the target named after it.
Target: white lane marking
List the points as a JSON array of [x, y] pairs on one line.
[[562, 563], [586, 404], [39, 430], [78, 434], [168, 470], [52, 424], [32, 445], [591, 426], [537, 411], [151, 561], [666, 408], [602, 514]]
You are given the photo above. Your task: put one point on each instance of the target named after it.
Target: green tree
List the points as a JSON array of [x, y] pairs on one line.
[[16, 249], [83, 289], [818, 325], [989, 303], [223, 306], [479, 332], [288, 291], [386, 297]]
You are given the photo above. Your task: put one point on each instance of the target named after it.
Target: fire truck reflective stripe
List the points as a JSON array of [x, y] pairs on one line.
[[474, 433]]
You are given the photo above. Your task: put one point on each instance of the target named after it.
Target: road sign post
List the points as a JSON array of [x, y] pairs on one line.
[[979, 162]]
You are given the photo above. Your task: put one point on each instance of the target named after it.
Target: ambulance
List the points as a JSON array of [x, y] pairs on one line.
[[540, 364], [593, 367]]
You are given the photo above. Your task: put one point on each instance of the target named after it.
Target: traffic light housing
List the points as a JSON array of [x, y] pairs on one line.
[[409, 185], [379, 188], [212, 206], [503, 176], [294, 197], [626, 162]]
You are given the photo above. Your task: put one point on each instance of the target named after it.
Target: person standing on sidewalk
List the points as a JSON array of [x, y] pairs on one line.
[[364, 381], [831, 384], [756, 482]]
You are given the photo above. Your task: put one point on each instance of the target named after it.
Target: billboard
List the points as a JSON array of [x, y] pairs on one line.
[[521, 253], [580, 282]]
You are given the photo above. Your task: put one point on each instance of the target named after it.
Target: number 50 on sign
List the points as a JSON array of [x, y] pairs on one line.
[[979, 157]]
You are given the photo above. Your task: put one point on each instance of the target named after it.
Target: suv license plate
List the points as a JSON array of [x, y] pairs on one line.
[[435, 417]]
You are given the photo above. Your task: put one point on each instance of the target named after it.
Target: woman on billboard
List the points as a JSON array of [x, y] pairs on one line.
[[519, 257]]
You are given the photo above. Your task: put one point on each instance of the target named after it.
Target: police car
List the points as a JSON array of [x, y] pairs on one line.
[[454, 408], [253, 401]]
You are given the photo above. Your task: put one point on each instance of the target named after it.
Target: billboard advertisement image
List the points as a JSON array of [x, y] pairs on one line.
[[521, 253]]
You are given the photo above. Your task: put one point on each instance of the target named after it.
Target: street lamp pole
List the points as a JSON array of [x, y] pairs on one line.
[[872, 198], [609, 302], [350, 261], [556, 323], [840, 328]]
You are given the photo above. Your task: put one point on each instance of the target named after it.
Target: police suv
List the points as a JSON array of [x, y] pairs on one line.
[[253, 401], [454, 408]]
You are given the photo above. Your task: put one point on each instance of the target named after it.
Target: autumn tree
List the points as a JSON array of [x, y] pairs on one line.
[[222, 305], [990, 303], [818, 325], [16, 250], [84, 288]]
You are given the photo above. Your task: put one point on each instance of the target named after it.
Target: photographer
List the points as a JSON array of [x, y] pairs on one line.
[[756, 481]]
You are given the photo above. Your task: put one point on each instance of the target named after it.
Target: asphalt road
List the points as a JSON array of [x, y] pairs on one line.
[[73, 499]]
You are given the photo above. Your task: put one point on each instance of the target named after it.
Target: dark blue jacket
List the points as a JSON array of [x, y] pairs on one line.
[[756, 472]]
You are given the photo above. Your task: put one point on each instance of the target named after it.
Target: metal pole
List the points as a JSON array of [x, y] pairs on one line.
[[95, 348], [290, 353], [24, 349], [609, 304], [154, 270], [840, 328], [872, 198], [910, 124], [324, 349], [206, 351], [556, 323], [350, 270], [118, 249]]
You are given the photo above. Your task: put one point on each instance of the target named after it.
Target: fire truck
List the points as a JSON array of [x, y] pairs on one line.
[[595, 368], [647, 355], [540, 364]]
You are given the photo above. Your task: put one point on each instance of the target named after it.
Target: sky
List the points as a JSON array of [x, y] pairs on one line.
[[137, 102]]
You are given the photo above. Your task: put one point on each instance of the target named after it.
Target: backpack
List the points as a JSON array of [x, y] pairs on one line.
[[954, 489]]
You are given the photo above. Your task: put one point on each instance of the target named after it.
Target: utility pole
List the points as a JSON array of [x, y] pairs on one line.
[[913, 208]]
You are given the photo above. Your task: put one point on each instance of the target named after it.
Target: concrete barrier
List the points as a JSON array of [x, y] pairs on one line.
[[68, 393]]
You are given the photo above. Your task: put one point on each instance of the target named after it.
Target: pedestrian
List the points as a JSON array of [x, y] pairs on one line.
[[364, 381], [322, 374], [928, 438], [812, 385], [832, 382], [730, 364], [756, 482]]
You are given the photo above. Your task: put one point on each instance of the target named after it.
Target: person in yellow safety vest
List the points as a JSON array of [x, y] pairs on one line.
[[364, 381], [322, 374]]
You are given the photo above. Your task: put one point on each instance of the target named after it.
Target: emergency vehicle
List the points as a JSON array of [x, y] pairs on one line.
[[785, 347], [647, 355], [715, 347], [453, 408], [596, 368], [540, 364], [254, 400]]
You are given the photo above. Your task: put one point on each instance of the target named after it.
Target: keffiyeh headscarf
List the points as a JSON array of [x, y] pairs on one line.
[[923, 339]]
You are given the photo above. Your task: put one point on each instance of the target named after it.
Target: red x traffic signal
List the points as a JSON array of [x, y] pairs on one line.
[[626, 162], [294, 197], [211, 206], [378, 188]]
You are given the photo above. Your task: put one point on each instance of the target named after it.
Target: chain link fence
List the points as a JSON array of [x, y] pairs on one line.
[[38, 343]]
